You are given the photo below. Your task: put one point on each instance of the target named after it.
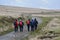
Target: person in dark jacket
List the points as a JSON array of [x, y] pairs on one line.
[[35, 24], [21, 24], [28, 24], [16, 25], [32, 25]]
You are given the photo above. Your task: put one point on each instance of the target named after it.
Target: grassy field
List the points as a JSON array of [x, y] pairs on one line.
[[6, 25], [45, 21]]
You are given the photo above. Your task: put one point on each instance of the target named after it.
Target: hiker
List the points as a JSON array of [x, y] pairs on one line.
[[32, 25], [28, 24], [16, 25], [21, 25], [35, 24]]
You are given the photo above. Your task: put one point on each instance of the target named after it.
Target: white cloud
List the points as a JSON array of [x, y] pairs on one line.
[[21, 0], [45, 1], [44, 8]]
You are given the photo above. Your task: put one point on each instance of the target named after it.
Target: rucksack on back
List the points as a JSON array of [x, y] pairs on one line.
[[28, 22], [16, 23], [20, 23]]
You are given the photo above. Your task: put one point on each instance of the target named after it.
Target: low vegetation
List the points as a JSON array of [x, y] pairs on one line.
[[45, 21], [6, 24]]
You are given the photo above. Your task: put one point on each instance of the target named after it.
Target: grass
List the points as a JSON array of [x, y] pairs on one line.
[[26, 38], [58, 38], [45, 21], [57, 30], [5, 32], [6, 22]]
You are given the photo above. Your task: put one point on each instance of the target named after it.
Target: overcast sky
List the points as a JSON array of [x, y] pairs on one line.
[[45, 4]]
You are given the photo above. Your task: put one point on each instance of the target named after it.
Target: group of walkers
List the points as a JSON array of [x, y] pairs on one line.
[[31, 25]]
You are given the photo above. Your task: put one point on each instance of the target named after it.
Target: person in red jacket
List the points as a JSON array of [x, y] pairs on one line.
[[16, 25], [28, 24], [21, 25]]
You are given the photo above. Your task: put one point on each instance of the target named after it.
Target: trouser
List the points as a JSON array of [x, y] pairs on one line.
[[32, 28], [16, 28], [28, 26], [21, 28], [35, 27]]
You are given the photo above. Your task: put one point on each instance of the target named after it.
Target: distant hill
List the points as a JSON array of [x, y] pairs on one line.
[[13, 10]]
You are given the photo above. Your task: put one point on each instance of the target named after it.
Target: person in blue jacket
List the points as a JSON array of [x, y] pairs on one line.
[[32, 25], [35, 24]]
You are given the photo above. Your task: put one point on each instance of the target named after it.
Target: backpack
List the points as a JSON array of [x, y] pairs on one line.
[[16, 23], [32, 22], [20, 23], [28, 22]]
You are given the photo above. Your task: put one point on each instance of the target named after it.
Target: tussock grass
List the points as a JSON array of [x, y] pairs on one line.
[[5, 32], [6, 22], [45, 21]]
